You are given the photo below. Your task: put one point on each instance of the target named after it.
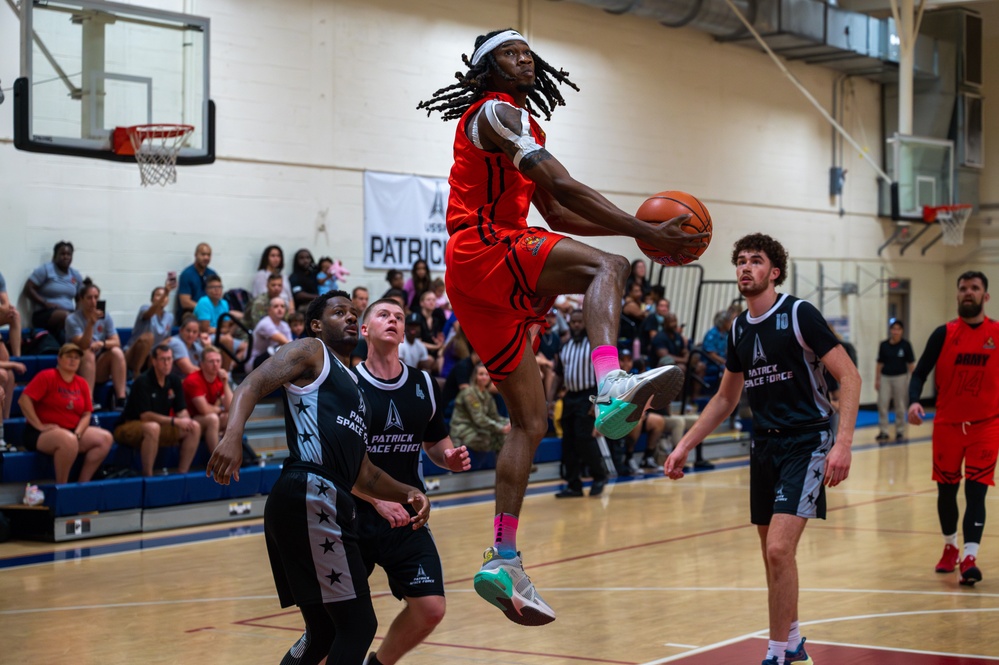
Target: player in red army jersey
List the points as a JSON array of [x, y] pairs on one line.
[[966, 425], [502, 275]]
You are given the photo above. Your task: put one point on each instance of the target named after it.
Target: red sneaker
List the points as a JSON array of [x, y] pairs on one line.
[[969, 571], [948, 562]]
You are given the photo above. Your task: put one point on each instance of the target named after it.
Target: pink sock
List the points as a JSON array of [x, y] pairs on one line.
[[505, 528], [604, 361]]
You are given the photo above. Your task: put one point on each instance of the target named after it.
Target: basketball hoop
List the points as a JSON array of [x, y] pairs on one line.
[[952, 219], [155, 148]]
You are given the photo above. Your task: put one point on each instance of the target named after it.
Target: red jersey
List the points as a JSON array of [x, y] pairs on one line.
[[196, 386], [58, 402], [967, 373], [487, 190]]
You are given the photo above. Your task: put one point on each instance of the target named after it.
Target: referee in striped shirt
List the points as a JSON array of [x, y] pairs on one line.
[[574, 369]]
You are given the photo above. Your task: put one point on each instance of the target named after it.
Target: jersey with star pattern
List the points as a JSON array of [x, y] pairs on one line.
[[326, 423]]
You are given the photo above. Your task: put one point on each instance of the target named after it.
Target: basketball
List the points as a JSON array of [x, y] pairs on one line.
[[663, 207]]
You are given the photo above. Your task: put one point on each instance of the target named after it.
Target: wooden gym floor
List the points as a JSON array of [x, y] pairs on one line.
[[653, 571]]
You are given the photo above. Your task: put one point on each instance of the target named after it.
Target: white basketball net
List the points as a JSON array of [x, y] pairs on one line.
[[156, 149], [952, 223]]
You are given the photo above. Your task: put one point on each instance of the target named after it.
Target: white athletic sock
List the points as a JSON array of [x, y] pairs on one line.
[[794, 637], [776, 649], [971, 549], [951, 539]]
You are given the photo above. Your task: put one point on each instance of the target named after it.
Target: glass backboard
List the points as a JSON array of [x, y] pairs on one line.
[[88, 67], [922, 173]]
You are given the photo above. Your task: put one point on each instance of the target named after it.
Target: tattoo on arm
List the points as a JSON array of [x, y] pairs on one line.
[[533, 159], [373, 480]]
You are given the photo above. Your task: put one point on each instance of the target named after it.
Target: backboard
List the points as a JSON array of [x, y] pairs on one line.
[[88, 67], [922, 173]]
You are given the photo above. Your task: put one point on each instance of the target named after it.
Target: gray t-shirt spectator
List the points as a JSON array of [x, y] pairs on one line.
[[412, 354], [57, 287], [160, 326], [76, 322], [262, 333], [180, 350]]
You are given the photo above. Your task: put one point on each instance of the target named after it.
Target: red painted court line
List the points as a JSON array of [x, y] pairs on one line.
[[753, 649]]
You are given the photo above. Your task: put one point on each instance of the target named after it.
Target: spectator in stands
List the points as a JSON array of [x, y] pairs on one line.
[[193, 280], [412, 350], [7, 370], [399, 296], [325, 278], [156, 415], [396, 280], [418, 283], [455, 350], [52, 289], [896, 361], [152, 326], [433, 320], [208, 311], [652, 326], [459, 378], [638, 276], [10, 316], [475, 421], [633, 314], [715, 347], [296, 322], [208, 396], [186, 347], [548, 348], [92, 329], [574, 371], [304, 287], [439, 288], [271, 262], [57, 406], [669, 346], [270, 333], [359, 298], [262, 303]]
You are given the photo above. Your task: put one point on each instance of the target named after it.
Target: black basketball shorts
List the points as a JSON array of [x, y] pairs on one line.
[[785, 476], [309, 527], [409, 558]]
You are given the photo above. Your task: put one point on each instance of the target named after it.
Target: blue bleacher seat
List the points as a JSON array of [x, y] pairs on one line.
[[73, 498], [121, 493], [199, 487], [160, 491], [250, 478]]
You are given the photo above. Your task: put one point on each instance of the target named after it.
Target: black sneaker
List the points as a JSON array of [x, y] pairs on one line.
[[703, 465], [882, 436], [597, 488], [568, 493]]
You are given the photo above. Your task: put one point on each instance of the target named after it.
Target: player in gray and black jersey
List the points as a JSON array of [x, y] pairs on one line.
[[778, 350], [309, 520], [406, 419]]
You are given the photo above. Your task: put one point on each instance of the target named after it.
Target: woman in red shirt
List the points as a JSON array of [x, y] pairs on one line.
[[57, 405]]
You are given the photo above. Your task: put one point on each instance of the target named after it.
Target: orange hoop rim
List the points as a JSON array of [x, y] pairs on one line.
[[158, 130], [930, 212]]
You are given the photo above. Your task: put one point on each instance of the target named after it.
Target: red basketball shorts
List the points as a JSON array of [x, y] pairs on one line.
[[491, 281], [976, 444]]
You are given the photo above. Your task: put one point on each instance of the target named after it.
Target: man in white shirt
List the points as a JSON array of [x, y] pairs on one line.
[[412, 351]]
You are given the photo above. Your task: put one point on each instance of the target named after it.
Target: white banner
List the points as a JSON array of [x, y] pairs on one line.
[[404, 220]]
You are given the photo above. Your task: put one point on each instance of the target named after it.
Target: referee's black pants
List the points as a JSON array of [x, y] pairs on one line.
[[578, 445]]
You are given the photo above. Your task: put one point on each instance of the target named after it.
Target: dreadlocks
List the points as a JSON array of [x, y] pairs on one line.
[[454, 100]]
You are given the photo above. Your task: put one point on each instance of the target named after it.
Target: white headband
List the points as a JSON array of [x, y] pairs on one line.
[[493, 42]]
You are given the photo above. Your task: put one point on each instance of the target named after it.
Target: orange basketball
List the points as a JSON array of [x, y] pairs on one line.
[[663, 207]]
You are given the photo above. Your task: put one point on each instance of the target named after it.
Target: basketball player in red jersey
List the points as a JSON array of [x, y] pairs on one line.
[[966, 425], [503, 275]]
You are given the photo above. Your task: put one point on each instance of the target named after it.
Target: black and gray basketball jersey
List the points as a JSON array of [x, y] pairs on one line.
[[405, 412], [779, 355], [326, 423]]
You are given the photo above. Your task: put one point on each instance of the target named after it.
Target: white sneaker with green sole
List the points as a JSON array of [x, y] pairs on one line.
[[622, 397], [504, 583]]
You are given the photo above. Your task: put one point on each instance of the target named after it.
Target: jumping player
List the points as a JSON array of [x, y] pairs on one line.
[[966, 425], [405, 406], [309, 516], [777, 350], [502, 275]]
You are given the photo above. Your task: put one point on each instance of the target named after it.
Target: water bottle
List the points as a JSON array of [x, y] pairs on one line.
[[95, 420]]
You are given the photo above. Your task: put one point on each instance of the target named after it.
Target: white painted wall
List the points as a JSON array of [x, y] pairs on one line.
[[311, 93]]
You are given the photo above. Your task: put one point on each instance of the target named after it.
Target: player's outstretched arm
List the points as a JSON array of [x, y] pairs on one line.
[[446, 456], [374, 482], [298, 360], [718, 409]]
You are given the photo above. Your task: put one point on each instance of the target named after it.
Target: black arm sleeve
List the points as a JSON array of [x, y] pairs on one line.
[[934, 345]]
